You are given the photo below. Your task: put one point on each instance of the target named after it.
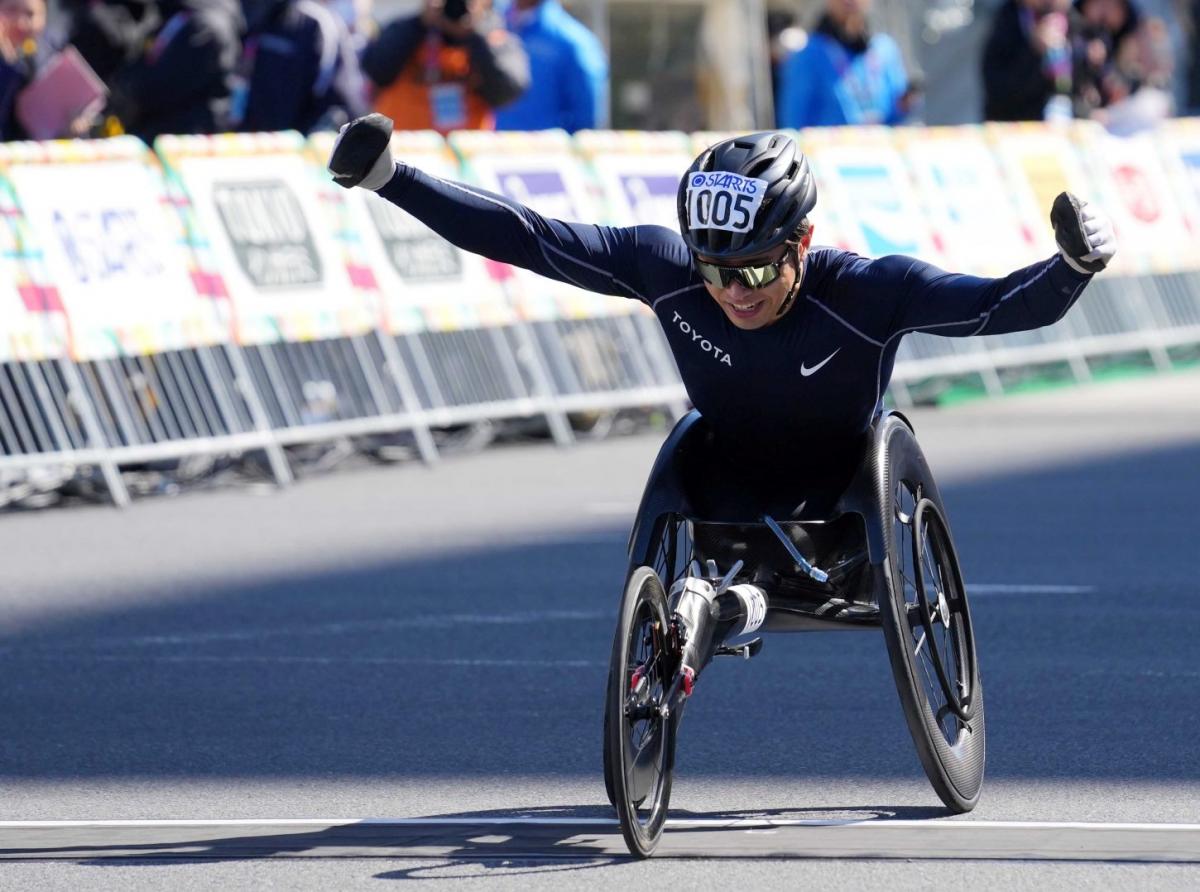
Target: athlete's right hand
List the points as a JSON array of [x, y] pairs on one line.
[[362, 155]]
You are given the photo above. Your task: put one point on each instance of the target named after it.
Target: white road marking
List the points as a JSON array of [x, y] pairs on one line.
[[676, 823], [611, 509]]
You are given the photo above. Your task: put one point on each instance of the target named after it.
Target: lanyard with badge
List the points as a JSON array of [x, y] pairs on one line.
[[859, 82], [447, 99]]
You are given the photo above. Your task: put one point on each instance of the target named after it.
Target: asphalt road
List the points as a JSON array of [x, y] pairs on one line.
[[431, 644]]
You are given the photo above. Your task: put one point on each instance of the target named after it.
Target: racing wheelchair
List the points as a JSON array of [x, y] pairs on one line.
[[696, 588]]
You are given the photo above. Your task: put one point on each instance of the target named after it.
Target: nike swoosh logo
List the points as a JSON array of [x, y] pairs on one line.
[[806, 371]]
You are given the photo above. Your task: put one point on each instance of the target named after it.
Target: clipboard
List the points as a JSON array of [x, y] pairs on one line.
[[65, 88]]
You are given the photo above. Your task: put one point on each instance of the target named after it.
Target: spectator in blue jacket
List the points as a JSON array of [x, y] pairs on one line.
[[844, 74], [568, 68]]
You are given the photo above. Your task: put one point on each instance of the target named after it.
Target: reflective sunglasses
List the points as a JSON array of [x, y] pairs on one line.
[[753, 277]]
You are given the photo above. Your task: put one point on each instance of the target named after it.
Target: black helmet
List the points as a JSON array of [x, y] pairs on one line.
[[745, 196]]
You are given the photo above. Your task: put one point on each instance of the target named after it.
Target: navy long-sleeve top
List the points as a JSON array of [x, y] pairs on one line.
[[816, 375]]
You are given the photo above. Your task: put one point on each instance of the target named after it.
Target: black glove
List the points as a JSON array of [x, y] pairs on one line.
[[362, 154], [1084, 234]]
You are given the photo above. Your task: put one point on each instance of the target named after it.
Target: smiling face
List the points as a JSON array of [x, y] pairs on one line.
[[753, 308]]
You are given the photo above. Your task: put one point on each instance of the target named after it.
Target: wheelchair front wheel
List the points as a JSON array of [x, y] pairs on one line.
[[640, 746], [669, 552], [927, 625]]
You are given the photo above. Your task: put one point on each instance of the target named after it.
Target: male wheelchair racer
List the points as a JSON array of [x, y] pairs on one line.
[[881, 556]]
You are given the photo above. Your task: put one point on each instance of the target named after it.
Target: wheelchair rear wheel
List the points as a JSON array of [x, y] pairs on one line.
[[927, 625], [640, 745]]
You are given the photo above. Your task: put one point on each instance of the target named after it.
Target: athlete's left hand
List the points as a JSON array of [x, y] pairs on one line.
[[1084, 234]]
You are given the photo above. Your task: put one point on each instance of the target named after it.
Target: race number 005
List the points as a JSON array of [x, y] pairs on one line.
[[713, 208]]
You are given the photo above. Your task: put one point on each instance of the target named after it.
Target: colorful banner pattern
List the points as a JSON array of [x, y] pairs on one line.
[[247, 238], [33, 323], [1133, 187], [638, 173], [270, 242], [97, 244], [539, 170], [864, 185], [424, 282], [970, 209]]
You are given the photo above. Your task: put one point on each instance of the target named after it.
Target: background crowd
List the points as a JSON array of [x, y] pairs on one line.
[[146, 67]]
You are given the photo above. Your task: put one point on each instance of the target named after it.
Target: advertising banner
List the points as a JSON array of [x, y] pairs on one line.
[[424, 282], [1135, 191], [540, 171], [970, 207], [864, 185], [275, 250], [638, 174], [33, 323], [1179, 148], [1039, 162], [99, 244]]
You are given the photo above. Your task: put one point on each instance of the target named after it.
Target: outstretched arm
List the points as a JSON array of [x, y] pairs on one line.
[[954, 305], [598, 258], [930, 300], [605, 259]]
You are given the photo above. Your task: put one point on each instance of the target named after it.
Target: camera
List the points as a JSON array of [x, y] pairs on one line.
[[455, 9]]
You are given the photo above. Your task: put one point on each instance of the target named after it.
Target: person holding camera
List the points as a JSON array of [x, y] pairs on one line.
[[447, 68]]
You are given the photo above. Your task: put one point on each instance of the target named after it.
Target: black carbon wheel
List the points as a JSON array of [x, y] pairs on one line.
[[640, 738], [927, 625], [670, 554]]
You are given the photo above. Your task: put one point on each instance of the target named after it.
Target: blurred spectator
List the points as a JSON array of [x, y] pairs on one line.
[[1027, 62], [58, 109], [1193, 81], [569, 71], [111, 34], [1103, 27], [844, 74], [784, 37], [22, 52], [181, 82], [298, 69], [356, 15], [1137, 93], [447, 68]]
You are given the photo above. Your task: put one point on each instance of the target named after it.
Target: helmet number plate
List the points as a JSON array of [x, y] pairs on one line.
[[722, 200]]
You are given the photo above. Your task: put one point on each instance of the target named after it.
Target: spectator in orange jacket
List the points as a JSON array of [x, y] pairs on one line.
[[446, 68]]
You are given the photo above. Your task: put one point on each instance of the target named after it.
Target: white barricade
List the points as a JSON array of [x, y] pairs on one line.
[[106, 252], [592, 348], [638, 177], [468, 354], [294, 286]]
